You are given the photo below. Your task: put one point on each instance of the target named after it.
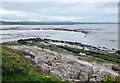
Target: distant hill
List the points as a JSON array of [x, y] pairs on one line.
[[37, 23], [46, 23]]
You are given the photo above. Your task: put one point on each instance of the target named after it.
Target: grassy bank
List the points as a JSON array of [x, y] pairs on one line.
[[108, 57], [16, 68], [98, 55], [114, 58]]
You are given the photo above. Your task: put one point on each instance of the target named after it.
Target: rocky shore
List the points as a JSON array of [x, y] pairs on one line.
[[67, 60], [74, 44], [64, 65]]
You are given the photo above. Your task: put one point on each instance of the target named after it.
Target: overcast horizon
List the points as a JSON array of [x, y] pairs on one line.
[[60, 12]]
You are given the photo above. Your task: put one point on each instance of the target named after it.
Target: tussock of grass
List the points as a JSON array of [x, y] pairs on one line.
[[109, 79], [15, 68]]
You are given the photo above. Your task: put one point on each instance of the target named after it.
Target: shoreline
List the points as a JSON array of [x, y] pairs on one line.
[[83, 46], [51, 54], [87, 36], [58, 29]]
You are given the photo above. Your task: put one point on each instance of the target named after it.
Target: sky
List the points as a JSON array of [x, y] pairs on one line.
[[60, 11]]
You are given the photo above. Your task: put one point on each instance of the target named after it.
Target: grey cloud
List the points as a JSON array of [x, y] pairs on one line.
[[64, 11]]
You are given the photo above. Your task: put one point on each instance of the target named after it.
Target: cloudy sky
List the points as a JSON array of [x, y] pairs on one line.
[[60, 11]]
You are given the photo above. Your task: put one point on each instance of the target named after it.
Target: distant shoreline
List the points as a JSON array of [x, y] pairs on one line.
[[62, 33], [102, 49], [49, 23]]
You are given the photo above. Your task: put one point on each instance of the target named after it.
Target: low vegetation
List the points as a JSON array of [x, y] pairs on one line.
[[110, 79], [16, 68], [115, 58], [112, 58], [108, 57]]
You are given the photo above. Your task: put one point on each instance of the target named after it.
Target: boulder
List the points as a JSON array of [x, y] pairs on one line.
[[118, 52], [115, 68]]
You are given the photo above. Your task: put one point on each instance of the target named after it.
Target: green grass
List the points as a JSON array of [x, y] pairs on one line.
[[110, 79], [16, 68], [94, 59], [114, 58], [51, 47], [101, 57], [108, 57]]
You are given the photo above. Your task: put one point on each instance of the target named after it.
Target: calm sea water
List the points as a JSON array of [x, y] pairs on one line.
[[104, 35]]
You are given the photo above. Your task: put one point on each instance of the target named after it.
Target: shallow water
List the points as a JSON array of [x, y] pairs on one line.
[[89, 39], [10, 35], [104, 35]]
